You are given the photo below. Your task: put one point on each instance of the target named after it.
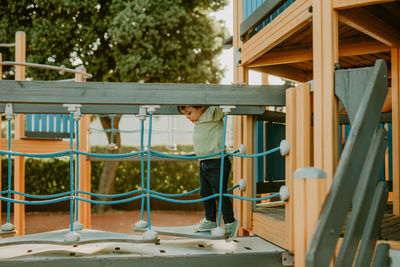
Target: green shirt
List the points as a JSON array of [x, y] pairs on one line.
[[208, 131]]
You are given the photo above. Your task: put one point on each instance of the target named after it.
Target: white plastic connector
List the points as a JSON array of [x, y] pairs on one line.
[[112, 146], [8, 227], [284, 193], [242, 184], [284, 147], [242, 149], [151, 108], [227, 109], [72, 107], [77, 226], [77, 114], [62, 71], [150, 235], [9, 112], [71, 237], [142, 113], [141, 224]]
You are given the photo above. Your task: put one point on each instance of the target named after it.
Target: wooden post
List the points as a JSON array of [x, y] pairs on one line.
[[395, 58], [19, 162], [325, 55], [241, 76], [290, 161], [84, 164], [304, 203]]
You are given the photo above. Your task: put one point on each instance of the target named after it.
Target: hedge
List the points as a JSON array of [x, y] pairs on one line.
[[51, 176]]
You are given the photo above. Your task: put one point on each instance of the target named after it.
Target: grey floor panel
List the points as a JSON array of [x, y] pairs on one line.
[[181, 231]]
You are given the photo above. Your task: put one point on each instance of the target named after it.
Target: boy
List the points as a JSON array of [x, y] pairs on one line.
[[207, 139]]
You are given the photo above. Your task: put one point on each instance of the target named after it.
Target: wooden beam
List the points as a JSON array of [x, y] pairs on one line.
[[305, 54], [369, 24], [286, 72], [35, 146], [292, 19], [343, 4], [140, 93]]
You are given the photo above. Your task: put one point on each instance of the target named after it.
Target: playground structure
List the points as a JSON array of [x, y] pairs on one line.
[[278, 38]]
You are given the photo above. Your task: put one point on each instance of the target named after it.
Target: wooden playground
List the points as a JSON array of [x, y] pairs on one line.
[[341, 120]]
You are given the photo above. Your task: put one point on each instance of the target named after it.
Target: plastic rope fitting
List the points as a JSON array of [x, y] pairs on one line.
[[77, 113], [151, 108], [9, 112], [227, 109], [142, 113], [72, 107]]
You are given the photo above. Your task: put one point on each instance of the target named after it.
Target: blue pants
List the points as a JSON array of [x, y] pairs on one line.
[[209, 185]]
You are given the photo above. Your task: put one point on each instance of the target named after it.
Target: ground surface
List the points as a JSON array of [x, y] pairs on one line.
[[113, 221]]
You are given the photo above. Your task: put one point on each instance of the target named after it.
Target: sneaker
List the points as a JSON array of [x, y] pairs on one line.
[[231, 229], [205, 226]]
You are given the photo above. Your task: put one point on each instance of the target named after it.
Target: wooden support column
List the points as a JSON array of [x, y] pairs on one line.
[[290, 162], [395, 58], [84, 214], [325, 55], [240, 75], [19, 162], [300, 135]]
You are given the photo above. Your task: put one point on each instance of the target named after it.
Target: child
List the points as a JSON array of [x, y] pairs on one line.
[[207, 139]]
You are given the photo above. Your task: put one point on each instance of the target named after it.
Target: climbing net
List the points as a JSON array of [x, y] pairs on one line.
[[74, 195]]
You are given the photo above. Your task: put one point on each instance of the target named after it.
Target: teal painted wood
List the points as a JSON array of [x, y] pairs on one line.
[[51, 123], [36, 122], [28, 125], [250, 6], [260, 149], [58, 123], [44, 123], [65, 123]]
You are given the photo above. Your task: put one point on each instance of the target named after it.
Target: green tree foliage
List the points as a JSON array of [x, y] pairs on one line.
[[149, 40], [117, 40]]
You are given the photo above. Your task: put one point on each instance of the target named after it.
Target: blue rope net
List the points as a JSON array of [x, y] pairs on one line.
[[144, 194]]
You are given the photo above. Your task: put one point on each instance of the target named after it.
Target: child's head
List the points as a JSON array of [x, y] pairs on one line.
[[193, 113]]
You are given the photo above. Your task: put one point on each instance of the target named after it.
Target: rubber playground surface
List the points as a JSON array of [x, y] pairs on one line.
[[112, 221]]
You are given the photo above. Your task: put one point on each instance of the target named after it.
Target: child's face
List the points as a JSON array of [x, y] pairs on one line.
[[192, 113]]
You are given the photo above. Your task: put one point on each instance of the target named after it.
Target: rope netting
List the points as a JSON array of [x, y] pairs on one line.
[[74, 195]]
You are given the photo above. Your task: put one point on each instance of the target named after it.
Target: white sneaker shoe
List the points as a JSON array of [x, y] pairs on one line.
[[205, 226], [231, 229]]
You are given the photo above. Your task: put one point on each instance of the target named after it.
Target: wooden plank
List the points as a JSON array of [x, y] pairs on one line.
[[248, 172], [35, 146], [287, 72], [325, 43], [271, 229], [290, 162], [344, 4], [295, 17], [19, 124], [362, 20], [395, 55], [240, 74], [108, 109], [305, 54], [141, 93]]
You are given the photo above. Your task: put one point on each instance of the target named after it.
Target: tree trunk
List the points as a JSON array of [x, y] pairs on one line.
[[107, 177]]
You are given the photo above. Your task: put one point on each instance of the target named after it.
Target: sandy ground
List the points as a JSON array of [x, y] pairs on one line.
[[113, 221]]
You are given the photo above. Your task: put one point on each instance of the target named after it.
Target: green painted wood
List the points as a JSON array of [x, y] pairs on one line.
[[362, 198], [333, 214], [372, 227], [99, 93], [259, 15], [116, 109]]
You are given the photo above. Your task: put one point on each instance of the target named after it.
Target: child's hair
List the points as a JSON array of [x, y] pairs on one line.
[[181, 108]]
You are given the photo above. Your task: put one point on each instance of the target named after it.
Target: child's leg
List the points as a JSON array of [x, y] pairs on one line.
[[205, 191], [211, 174]]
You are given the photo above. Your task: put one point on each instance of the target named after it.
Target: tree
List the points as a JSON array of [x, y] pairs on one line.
[[128, 41]]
